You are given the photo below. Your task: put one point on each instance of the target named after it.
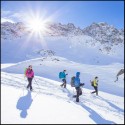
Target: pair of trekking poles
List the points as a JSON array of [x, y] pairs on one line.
[[35, 82]]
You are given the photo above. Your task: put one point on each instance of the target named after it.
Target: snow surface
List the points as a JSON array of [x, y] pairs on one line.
[[50, 68], [49, 103]]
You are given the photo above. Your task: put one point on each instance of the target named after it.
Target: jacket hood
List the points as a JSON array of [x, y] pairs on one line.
[[77, 74]]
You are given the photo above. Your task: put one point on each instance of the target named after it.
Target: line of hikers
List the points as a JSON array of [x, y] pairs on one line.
[[75, 81]]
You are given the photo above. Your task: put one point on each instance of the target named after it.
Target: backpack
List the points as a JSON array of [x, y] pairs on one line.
[[60, 75], [73, 81], [92, 83], [25, 71]]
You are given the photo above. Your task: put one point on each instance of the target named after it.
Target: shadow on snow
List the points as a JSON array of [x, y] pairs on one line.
[[95, 116], [24, 104]]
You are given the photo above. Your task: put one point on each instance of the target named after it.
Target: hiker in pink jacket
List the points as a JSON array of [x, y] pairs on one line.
[[29, 75]]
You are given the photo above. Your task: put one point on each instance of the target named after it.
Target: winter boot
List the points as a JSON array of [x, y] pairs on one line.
[[77, 99]]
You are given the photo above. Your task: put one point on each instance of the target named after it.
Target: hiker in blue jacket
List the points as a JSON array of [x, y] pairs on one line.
[[77, 86], [63, 77]]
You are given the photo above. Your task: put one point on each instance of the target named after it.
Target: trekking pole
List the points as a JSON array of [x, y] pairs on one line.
[[37, 83], [39, 89]]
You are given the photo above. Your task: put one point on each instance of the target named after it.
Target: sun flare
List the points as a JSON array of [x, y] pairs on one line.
[[37, 25]]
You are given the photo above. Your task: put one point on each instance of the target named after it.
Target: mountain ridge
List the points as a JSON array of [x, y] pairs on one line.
[[68, 38]]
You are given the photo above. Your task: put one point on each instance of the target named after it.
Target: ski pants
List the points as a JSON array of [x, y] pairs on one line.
[[30, 83], [64, 83], [96, 90], [79, 92]]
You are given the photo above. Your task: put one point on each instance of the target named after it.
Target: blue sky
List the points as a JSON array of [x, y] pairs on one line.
[[81, 13]]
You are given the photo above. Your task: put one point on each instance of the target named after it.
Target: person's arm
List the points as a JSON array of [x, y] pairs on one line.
[[65, 75], [97, 82], [32, 73], [79, 81]]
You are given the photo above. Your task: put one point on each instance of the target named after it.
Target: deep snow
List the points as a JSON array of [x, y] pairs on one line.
[[50, 68], [49, 103]]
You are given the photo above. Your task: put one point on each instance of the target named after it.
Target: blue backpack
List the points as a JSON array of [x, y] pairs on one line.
[[60, 75]]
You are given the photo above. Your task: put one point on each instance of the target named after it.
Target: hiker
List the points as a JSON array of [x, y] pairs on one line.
[[118, 74], [62, 75], [94, 83], [29, 75], [77, 85]]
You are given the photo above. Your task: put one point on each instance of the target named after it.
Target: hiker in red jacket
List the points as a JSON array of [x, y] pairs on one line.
[[29, 75]]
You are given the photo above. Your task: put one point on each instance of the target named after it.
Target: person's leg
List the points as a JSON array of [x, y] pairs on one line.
[[80, 91], [95, 89], [77, 95], [61, 84], [64, 83], [116, 79], [28, 83]]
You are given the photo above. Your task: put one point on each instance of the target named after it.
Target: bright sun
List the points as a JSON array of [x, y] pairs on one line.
[[37, 25]]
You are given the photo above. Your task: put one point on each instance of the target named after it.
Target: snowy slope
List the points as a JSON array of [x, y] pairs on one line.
[[97, 50], [83, 52], [51, 66], [51, 104]]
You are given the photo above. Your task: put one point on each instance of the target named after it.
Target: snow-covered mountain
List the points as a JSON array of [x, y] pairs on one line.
[[99, 31], [97, 50], [94, 44], [105, 33], [52, 29], [12, 30]]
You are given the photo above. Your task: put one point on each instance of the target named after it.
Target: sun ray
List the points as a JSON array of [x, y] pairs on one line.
[[36, 22]]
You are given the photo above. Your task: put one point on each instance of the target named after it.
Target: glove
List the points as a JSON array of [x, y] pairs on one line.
[[82, 84]]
